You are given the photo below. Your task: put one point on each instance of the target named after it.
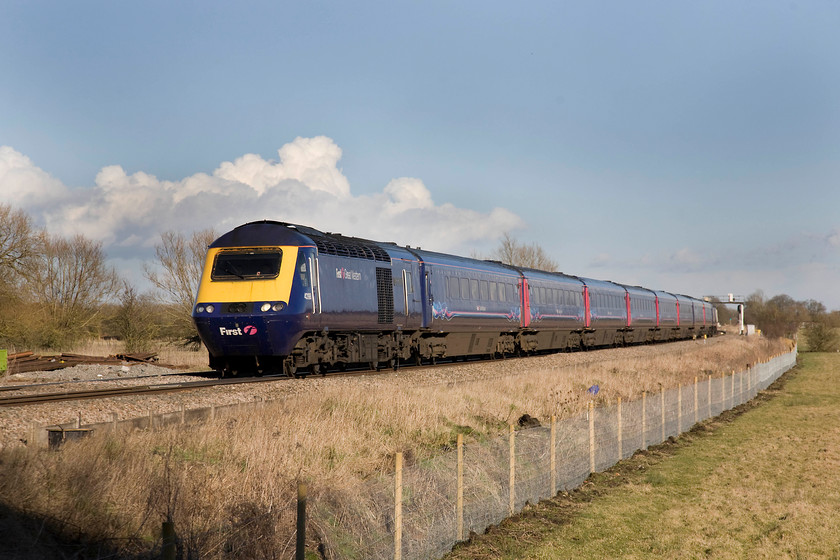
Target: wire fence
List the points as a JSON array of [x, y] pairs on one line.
[[423, 509]]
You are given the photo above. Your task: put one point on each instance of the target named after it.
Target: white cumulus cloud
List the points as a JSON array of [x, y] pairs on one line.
[[24, 184], [305, 185]]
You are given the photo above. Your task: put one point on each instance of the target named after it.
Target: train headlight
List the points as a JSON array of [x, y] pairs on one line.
[[199, 309], [210, 309], [279, 306], [265, 307]]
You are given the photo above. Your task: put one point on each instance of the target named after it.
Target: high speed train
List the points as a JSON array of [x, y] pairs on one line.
[[280, 297]]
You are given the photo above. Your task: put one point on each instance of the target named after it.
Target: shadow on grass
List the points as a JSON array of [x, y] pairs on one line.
[[27, 537]]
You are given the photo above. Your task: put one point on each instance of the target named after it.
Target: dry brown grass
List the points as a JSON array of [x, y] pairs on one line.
[[241, 470]]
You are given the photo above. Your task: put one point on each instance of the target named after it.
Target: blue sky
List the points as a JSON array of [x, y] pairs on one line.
[[686, 146]]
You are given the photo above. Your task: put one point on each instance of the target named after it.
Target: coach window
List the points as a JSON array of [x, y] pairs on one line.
[[484, 290], [454, 291], [465, 288], [474, 289], [493, 291]]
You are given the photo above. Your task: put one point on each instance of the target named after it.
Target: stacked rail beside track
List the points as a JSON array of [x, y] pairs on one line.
[[26, 362]]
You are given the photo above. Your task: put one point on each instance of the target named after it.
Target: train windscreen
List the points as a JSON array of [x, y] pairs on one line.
[[249, 264]]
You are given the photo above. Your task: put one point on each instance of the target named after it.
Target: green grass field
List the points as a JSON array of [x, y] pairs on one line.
[[760, 482]]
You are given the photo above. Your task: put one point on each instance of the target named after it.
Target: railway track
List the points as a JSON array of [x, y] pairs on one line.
[[40, 398]]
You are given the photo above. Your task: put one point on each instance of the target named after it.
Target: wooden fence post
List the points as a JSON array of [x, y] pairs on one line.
[[168, 547], [398, 507], [511, 507], [620, 442], [459, 505], [679, 409], [300, 540], [709, 399], [553, 456], [722, 391], [591, 437], [732, 392], [749, 385], [662, 402], [644, 418], [695, 399]]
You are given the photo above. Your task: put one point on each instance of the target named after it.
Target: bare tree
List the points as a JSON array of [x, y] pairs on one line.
[[69, 280], [19, 242], [134, 320], [180, 261], [511, 251]]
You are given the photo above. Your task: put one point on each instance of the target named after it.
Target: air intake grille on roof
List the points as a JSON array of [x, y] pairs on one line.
[[350, 248], [385, 295]]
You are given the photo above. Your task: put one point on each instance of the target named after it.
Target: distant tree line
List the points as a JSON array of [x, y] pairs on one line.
[[56, 292], [782, 316]]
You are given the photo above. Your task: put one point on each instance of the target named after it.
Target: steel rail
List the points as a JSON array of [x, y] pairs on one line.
[[41, 398]]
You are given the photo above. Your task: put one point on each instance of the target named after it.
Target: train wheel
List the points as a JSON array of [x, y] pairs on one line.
[[374, 366], [315, 369], [289, 368]]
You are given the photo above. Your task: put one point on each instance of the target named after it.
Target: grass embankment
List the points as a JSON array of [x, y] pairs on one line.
[[232, 481], [757, 483]]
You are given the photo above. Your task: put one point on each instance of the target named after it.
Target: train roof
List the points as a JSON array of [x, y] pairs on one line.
[[267, 232]]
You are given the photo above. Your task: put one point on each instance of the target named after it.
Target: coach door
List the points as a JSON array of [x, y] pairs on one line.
[[407, 301]]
